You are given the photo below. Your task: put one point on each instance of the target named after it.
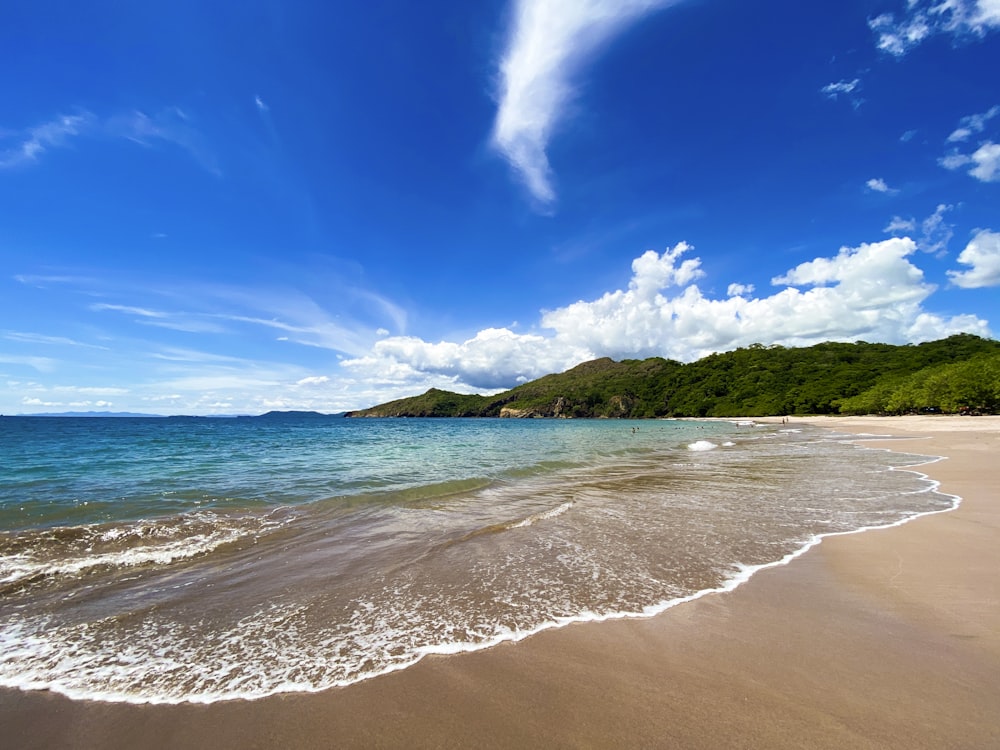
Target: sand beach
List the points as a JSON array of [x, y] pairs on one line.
[[883, 639]]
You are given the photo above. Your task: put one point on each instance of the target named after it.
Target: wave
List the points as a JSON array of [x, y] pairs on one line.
[[72, 551], [544, 515]]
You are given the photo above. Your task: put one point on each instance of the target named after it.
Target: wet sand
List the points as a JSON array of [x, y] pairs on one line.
[[885, 639]]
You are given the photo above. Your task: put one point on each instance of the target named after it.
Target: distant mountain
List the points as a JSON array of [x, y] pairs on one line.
[[960, 374]]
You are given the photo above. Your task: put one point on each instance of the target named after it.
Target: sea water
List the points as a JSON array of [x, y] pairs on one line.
[[198, 559]]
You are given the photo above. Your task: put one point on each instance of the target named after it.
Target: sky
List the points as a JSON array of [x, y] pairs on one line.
[[219, 208]]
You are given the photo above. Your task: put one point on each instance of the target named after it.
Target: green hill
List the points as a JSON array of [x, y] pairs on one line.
[[957, 374]]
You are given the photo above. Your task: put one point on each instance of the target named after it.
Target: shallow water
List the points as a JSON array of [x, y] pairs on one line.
[[167, 560]]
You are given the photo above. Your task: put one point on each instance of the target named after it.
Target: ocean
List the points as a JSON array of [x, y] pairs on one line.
[[169, 560]]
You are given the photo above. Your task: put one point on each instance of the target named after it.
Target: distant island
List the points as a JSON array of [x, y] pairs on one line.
[[295, 415], [956, 375], [94, 414]]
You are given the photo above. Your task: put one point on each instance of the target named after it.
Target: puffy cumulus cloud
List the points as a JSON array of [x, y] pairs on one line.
[[869, 292], [870, 271], [922, 19], [549, 42], [982, 255], [492, 360]]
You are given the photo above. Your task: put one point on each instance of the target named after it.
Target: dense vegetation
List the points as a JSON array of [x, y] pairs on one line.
[[954, 375]]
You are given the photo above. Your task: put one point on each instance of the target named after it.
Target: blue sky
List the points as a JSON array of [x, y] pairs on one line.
[[211, 208]]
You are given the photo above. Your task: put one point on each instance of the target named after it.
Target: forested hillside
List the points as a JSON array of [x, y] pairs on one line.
[[960, 374]]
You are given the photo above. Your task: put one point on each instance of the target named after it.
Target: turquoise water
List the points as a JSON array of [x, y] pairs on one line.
[[88, 470], [196, 559]]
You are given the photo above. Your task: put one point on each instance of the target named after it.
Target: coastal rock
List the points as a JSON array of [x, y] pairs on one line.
[[557, 410], [508, 412]]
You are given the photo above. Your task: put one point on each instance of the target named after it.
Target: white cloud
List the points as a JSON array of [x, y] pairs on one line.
[[987, 162], [898, 37], [899, 225], [936, 233], [878, 185], [739, 290], [261, 104], [169, 125], [869, 292], [41, 364], [833, 90], [37, 140], [141, 312], [973, 124], [982, 254], [38, 338], [491, 360], [44, 281], [549, 42], [846, 89], [219, 309], [313, 380], [984, 162], [922, 19]]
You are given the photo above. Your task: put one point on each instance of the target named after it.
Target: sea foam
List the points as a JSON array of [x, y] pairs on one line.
[[702, 445]]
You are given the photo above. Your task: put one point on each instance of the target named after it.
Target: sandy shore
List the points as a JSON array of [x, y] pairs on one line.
[[886, 639]]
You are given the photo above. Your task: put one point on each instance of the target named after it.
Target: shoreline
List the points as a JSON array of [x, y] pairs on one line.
[[887, 638]]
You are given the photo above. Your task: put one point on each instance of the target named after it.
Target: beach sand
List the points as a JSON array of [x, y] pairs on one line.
[[884, 639]]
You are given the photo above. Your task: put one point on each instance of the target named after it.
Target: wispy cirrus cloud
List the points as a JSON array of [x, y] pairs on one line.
[[170, 125], [923, 19], [41, 364], [31, 143], [973, 125], [38, 338], [833, 90], [358, 317], [846, 89], [141, 312], [935, 232], [550, 41]]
